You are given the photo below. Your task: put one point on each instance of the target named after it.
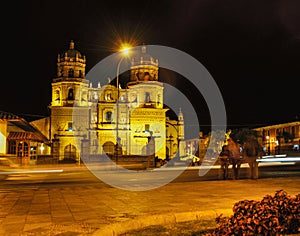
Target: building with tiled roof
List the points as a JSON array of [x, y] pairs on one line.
[[21, 140]]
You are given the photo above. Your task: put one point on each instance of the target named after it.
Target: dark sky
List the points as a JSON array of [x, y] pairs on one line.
[[251, 48]]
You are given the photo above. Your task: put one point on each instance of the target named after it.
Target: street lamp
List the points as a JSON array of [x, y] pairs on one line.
[[124, 52]]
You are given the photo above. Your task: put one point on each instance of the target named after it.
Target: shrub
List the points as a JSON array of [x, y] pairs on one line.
[[272, 216]]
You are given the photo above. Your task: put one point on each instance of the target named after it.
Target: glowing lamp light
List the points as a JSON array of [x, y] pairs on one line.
[[125, 50]]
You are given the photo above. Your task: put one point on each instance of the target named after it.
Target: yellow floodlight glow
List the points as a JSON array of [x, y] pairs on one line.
[[125, 49]]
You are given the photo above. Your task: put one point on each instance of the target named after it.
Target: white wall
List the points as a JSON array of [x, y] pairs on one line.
[[3, 134]]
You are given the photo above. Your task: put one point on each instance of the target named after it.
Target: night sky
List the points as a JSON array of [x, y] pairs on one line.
[[250, 47]]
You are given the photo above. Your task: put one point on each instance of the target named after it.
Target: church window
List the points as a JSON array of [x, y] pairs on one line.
[[108, 95], [70, 126], [158, 99], [147, 97], [71, 94], [147, 127], [108, 116], [71, 73], [146, 76], [57, 95], [80, 74], [95, 95]]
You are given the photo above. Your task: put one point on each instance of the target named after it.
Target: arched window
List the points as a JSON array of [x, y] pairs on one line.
[[108, 95], [57, 96], [80, 74], [71, 94], [71, 73], [147, 98]]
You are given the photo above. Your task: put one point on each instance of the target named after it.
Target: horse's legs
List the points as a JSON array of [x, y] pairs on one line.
[[237, 173], [226, 171], [253, 168], [234, 169]]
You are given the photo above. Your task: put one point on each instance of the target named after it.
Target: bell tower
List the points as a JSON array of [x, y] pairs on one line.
[[69, 87], [69, 104], [145, 103], [180, 125], [144, 68]]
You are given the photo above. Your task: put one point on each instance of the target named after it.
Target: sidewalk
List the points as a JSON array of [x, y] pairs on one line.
[[98, 209]]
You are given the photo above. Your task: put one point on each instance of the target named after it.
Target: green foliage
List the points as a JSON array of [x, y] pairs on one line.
[[241, 135], [273, 215], [287, 136]]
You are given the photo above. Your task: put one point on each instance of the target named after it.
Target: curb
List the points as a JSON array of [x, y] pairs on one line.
[[160, 219]]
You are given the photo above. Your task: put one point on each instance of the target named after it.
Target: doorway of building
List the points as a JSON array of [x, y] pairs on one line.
[[70, 152], [109, 148]]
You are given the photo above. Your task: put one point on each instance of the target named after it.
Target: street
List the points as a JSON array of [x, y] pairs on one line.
[[80, 175]]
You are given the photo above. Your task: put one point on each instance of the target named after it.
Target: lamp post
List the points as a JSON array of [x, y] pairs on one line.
[[124, 51]]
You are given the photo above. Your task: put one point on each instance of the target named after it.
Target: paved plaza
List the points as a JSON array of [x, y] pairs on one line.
[[96, 208]]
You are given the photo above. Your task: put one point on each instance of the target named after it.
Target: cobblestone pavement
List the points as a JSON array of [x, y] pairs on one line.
[[99, 209]]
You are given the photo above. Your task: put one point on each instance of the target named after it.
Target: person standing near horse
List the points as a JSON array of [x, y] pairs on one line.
[[251, 149]]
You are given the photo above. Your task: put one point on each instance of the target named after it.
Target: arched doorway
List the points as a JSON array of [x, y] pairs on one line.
[[109, 148], [70, 152]]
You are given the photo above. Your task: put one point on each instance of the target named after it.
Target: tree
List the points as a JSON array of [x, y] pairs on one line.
[[241, 135]]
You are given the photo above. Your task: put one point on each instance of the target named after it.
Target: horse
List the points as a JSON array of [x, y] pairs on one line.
[[251, 150], [230, 155]]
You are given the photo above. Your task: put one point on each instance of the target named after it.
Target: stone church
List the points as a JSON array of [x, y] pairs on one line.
[[108, 119]]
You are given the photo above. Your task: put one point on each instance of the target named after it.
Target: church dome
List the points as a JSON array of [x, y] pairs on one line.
[[71, 63], [71, 53], [144, 58], [143, 68]]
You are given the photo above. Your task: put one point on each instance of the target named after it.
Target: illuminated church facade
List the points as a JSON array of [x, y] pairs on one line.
[[129, 121]]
